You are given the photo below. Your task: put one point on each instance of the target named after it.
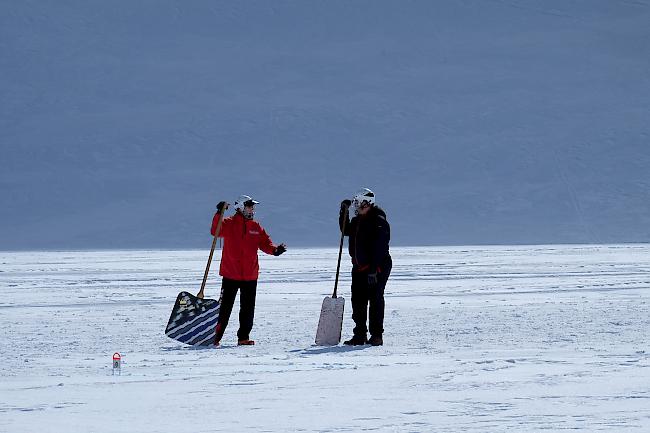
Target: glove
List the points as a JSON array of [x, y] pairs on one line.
[[372, 279], [221, 205], [345, 204], [279, 249]]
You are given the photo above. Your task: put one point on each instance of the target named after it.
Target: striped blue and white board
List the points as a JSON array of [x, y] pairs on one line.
[[193, 320]]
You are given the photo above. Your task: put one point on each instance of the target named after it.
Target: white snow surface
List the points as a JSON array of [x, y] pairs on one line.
[[477, 339]]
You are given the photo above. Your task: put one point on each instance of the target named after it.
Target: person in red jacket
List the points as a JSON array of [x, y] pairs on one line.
[[242, 237]]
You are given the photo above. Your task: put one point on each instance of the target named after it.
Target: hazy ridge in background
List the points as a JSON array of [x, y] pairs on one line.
[[122, 124]]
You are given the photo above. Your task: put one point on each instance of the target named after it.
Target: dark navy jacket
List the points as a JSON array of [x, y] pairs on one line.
[[369, 238]]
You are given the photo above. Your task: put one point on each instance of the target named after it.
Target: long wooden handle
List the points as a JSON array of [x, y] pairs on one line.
[[338, 264], [214, 242]]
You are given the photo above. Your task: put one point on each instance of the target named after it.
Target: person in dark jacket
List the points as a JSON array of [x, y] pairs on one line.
[[369, 236], [242, 237]]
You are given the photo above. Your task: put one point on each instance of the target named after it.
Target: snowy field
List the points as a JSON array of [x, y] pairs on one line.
[[478, 339]]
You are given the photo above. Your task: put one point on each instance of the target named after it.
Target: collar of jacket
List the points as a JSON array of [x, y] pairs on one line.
[[240, 216]]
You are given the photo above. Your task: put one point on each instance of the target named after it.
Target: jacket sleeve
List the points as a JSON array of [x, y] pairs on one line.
[[224, 224], [265, 243], [381, 241], [346, 218]]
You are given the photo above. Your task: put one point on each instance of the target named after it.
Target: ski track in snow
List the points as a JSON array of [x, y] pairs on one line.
[[477, 339]]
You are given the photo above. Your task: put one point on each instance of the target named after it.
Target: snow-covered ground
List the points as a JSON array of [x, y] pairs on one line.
[[477, 339]]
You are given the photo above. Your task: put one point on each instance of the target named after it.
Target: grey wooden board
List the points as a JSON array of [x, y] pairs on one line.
[[330, 322]]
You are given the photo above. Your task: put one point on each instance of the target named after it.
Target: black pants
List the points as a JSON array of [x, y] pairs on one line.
[[363, 294], [246, 306]]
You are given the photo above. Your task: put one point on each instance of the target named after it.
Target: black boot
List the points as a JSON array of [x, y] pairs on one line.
[[356, 340], [376, 340]]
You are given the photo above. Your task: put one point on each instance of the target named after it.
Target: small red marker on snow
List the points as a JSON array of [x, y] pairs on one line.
[[117, 363]]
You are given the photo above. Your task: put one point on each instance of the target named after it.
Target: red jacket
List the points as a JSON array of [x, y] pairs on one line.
[[241, 240]]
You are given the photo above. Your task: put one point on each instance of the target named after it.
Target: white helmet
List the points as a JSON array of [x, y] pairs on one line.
[[363, 195], [243, 201]]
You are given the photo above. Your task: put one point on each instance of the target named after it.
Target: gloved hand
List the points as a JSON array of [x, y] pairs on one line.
[[372, 279], [279, 249], [345, 204], [221, 205]]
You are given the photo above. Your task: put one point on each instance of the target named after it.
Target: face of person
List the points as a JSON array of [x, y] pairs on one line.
[[362, 208], [249, 211]]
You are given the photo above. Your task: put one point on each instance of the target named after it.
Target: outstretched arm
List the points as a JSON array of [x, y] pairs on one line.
[[266, 244]]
